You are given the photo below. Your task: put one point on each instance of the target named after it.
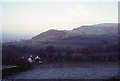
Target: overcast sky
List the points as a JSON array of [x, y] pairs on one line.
[[26, 19]]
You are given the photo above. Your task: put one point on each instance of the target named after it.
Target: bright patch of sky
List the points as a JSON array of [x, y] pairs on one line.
[[26, 19]]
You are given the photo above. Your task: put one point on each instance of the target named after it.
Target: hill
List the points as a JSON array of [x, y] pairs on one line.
[[80, 36], [95, 42]]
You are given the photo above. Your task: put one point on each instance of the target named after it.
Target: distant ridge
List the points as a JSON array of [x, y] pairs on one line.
[[97, 29]]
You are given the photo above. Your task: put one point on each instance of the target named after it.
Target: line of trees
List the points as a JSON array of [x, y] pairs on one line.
[[12, 54]]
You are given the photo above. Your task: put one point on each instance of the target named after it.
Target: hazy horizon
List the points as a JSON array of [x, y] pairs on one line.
[[22, 20]]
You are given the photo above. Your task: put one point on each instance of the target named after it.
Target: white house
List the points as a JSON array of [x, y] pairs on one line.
[[38, 59], [30, 59]]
